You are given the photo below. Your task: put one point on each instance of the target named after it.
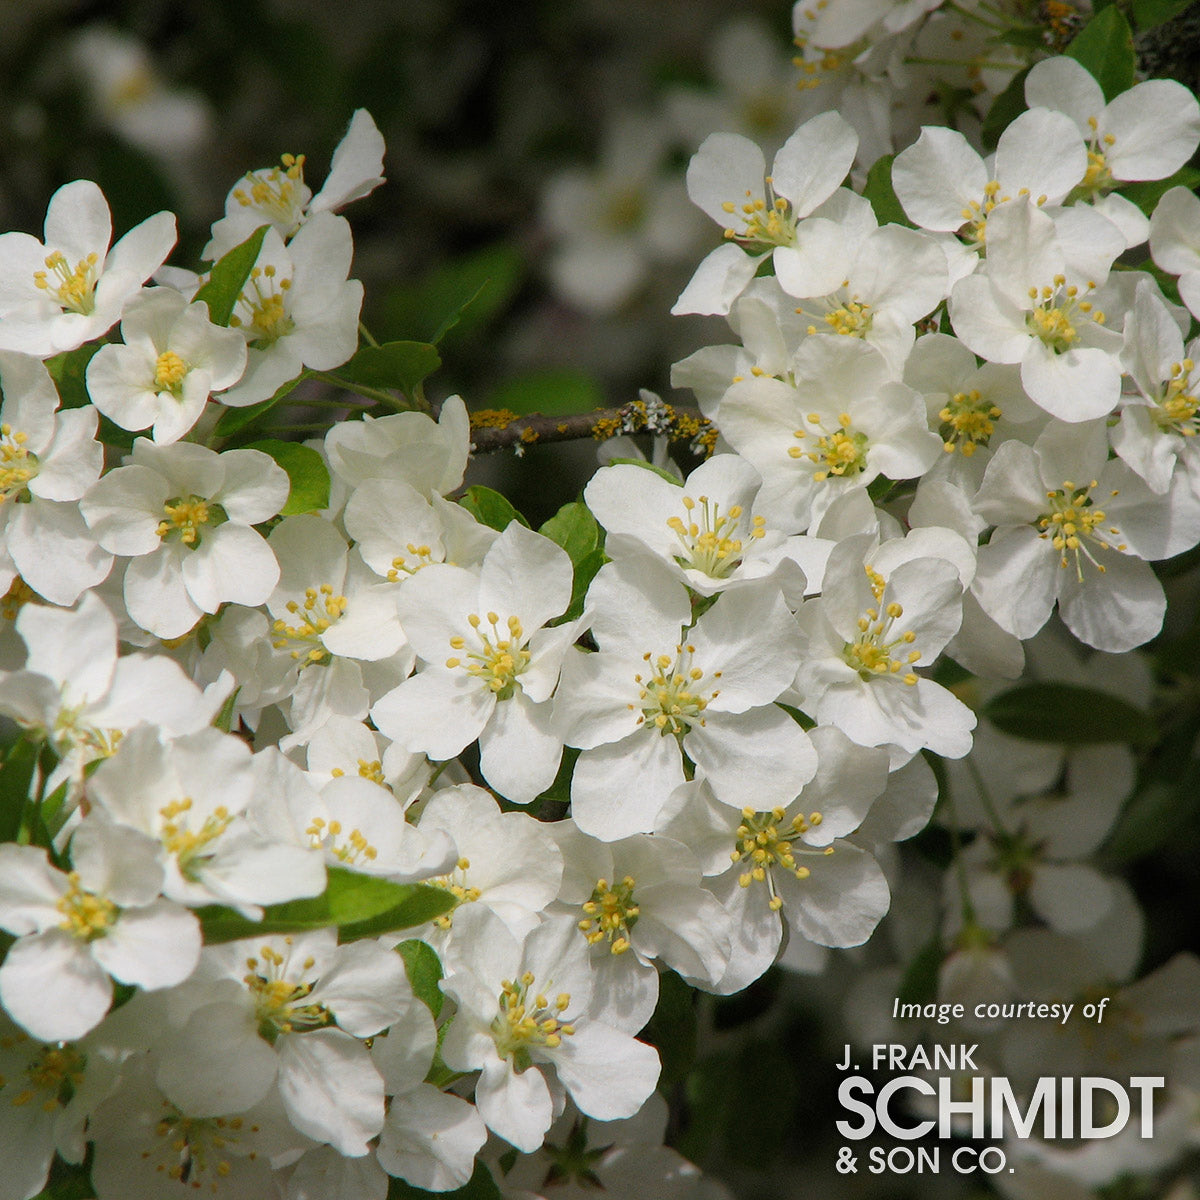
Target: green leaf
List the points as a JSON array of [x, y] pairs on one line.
[[1005, 109], [68, 1181], [801, 718], [359, 905], [1158, 815], [554, 392], [465, 292], [559, 792], [1105, 47], [879, 190], [1148, 13], [481, 1186], [306, 471], [1064, 712], [919, 983], [672, 1029], [574, 529], [661, 472], [424, 970], [585, 572], [15, 777], [232, 420], [228, 277], [69, 372], [399, 365], [1147, 194], [490, 508]]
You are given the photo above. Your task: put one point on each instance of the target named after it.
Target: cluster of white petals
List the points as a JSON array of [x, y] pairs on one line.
[[690, 749]]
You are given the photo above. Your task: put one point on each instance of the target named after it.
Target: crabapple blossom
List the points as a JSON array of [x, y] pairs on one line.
[[279, 196], [503, 666], [184, 516], [655, 693], [298, 308], [48, 459], [762, 214], [884, 611], [172, 359], [1055, 543], [528, 1021], [57, 295], [77, 931]]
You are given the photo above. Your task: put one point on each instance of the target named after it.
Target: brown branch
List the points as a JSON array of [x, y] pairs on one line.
[[500, 429]]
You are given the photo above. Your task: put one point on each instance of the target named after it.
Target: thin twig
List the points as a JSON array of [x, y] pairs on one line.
[[500, 429]]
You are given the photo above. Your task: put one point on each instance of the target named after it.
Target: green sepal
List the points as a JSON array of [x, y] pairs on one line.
[[224, 718]]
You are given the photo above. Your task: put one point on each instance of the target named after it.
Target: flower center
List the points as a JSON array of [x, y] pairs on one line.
[[372, 770], [967, 421], [764, 843], [418, 557], [766, 220], [1179, 405], [817, 62], [709, 543], [18, 465], [85, 915], [1072, 522], [625, 209], [327, 836], [526, 1021], [870, 654], [53, 1076], [500, 659], [456, 884], [1098, 179], [610, 914], [194, 1150], [319, 610], [1056, 313], [281, 1005], [187, 844], [266, 317], [841, 312], [169, 372], [276, 191], [74, 290], [670, 699], [841, 451], [186, 516]]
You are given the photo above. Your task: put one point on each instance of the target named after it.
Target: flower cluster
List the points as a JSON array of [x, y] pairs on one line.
[[353, 825]]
